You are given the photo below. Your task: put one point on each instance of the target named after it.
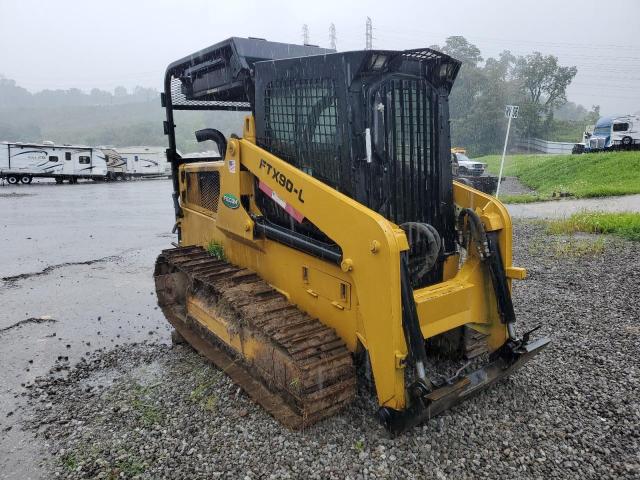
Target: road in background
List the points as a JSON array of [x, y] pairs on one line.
[[564, 208]]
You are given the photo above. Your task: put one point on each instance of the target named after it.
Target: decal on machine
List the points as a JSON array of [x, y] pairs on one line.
[[297, 216], [230, 201], [282, 179]]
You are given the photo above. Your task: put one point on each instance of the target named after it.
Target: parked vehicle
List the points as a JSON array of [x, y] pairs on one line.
[[22, 162], [143, 162], [466, 166], [471, 172], [612, 133], [583, 146]]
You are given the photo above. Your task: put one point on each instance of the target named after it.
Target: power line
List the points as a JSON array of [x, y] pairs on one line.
[[517, 40], [515, 45]]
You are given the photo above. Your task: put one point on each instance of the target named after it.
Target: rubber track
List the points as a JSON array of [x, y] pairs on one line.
[[326, 381]]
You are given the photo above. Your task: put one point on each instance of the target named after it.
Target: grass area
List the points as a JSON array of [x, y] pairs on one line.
[[130, 467], [626, 224], [204, 392], [567, 246], [578, 247], [70, 461], [148, 413], [588, 175]]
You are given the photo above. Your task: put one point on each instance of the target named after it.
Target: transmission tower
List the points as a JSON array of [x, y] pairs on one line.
[[305, 34], [332, 36], [368, 45]]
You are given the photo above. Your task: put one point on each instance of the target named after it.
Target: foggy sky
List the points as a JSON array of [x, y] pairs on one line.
[[103, 44]]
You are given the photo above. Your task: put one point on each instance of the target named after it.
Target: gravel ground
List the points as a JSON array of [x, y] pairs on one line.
[[513, 186], [154, 411]]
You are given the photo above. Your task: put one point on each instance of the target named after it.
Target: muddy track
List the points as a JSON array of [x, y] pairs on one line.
[[297, 368]]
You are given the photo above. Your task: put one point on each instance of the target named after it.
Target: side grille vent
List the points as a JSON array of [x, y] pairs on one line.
[[203, 190]]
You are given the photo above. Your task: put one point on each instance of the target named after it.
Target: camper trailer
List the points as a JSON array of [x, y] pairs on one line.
[[144, 161], [22, 162]]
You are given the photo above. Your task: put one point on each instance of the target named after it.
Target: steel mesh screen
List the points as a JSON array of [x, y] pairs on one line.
[[410, 143], [203, 189], [181, 102], [422, 54], [301, 125]]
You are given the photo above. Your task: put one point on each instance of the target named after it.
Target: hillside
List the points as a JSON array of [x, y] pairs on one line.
[[589, 175], [118, 125]]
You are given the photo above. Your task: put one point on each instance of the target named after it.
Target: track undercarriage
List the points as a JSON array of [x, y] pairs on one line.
[[298, 369]]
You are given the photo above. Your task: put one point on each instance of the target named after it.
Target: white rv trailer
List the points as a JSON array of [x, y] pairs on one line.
[[144, 161], [22, 162]]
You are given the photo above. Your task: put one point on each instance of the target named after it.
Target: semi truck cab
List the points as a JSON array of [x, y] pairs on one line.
[[615, 132]]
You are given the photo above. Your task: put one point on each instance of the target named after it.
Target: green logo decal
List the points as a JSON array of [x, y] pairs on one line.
[[230, 200]]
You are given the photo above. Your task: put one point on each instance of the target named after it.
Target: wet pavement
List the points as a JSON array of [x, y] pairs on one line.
[[566, 207], [76, 269]]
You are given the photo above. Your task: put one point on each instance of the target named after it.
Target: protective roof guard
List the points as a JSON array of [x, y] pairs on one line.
[[448, 67], [221, 74], [221, 77]]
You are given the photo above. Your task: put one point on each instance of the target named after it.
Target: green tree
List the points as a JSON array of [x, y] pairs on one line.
[[543, 83], [461, 49], [478, 97], [593, 116]]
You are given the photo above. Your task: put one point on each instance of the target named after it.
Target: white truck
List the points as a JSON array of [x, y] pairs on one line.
[[620, 133], [144, 162], [22, 162]]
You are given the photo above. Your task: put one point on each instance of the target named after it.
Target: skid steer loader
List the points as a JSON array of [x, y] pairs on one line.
[[330, 241]]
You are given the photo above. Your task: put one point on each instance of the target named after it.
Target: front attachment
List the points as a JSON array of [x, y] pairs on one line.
[[423, 407]]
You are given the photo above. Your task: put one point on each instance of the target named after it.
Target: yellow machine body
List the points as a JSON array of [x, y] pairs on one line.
[[361, 298]]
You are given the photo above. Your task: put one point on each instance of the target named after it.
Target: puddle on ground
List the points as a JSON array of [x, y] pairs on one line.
[[148, 374], [144, 375], [101, 378]]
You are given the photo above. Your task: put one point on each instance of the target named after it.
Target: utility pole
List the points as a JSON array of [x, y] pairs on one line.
[[368, 44], [305, 34], [510, 111], [332, 36]]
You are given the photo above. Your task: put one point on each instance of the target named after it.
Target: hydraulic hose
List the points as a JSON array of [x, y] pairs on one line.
[[478, 232], [411, 324], [489, 252]]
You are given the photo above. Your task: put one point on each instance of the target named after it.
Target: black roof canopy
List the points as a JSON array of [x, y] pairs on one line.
[[223, 76], [223, 72]]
